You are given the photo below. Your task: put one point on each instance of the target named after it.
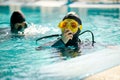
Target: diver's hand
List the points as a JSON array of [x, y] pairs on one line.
[[67, 35]]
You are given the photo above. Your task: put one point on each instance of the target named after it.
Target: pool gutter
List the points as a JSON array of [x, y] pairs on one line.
[[84, 66]]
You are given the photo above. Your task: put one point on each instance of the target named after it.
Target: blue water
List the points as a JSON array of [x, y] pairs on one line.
[[18, 58]]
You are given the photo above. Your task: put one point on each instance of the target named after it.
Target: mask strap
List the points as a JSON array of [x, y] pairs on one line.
[[80, 27]]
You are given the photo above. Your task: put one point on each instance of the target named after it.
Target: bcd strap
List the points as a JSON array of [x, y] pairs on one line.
[[91, 34], [56, 35]]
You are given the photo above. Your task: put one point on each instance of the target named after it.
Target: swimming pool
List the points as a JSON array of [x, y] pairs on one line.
[[18, 58]]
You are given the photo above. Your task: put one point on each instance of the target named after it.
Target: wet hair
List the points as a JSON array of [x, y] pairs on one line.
[[16, 17], [73, 15]]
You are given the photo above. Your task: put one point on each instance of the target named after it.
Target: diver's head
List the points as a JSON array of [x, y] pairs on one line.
[[17, 22], [71, 22]]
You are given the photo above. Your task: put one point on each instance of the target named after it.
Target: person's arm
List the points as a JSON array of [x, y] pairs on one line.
[[66, 36]]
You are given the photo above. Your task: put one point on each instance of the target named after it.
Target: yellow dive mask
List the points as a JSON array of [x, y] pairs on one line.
[[70, 24]]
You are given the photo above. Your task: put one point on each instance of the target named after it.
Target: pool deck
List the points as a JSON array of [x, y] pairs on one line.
[[110, 74], [60, 4], [35, 3]]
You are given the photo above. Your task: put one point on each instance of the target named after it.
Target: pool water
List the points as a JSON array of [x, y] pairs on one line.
[[19, 60]]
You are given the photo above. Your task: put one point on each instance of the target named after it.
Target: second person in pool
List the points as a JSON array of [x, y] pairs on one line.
[[17, 23]]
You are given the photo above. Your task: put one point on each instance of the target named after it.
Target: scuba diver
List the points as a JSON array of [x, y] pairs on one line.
[[71, 27], [69, 41], [17, 23], [17, 27]]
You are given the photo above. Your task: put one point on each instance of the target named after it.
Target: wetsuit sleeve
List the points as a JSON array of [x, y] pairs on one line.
[[59, 44]]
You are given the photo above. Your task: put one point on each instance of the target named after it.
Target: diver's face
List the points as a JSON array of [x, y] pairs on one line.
[[19, 27], [69, 24]]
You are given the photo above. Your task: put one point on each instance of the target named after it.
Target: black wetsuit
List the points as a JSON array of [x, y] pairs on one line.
[[71, 43]]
